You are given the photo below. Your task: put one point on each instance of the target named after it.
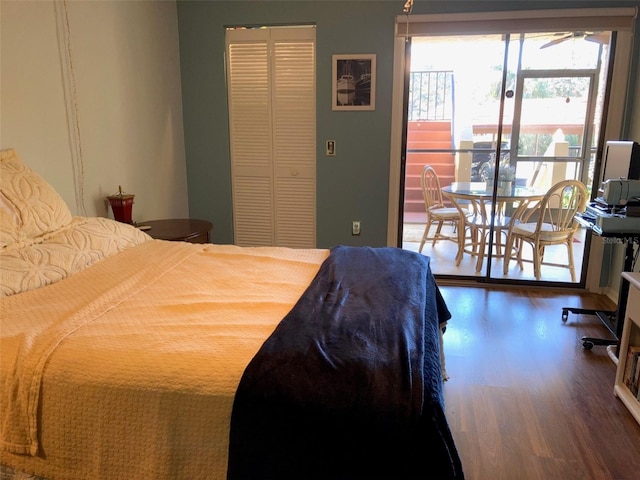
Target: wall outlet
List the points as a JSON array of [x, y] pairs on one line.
[[355, 227]]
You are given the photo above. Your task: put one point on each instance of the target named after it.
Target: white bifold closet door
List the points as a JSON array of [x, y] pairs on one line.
[[271, 82]]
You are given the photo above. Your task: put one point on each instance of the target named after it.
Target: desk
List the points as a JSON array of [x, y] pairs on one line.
[[475, 204], [612, 319]]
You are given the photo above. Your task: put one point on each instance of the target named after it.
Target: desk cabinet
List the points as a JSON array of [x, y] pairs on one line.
[[627, 374]]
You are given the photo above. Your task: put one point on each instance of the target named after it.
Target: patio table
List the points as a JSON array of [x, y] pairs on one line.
[[475, 202]]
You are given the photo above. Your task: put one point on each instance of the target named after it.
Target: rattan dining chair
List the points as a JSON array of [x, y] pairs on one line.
[[550, 223], [437, 212]]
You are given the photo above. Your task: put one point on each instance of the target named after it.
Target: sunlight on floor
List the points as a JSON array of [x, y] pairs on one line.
[[444, 252]]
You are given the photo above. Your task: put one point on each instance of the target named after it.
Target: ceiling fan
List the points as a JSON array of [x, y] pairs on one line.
[[597, 37]]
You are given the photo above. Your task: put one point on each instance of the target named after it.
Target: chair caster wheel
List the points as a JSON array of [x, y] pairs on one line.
[[565, 315], [587, 345]]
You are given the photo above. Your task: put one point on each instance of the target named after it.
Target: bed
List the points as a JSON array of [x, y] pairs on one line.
[[128, 357]]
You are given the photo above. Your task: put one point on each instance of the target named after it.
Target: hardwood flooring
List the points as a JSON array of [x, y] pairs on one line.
[[524, 399]]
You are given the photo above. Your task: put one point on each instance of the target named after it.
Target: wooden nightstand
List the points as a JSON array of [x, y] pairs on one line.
[[179, 230]]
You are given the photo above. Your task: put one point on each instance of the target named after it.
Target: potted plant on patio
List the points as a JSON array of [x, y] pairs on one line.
[[506, 176]]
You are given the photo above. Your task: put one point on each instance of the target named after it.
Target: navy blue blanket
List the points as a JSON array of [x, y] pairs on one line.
[[349, 385]]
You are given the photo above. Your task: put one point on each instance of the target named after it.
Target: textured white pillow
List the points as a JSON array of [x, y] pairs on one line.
[[9, 222], [55, 256], [40, 242], [29, 206]]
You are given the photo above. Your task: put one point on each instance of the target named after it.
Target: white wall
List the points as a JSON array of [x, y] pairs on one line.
[[127, 76]]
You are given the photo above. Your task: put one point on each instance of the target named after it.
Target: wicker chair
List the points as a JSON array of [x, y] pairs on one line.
[[437, 212], [550, 223]]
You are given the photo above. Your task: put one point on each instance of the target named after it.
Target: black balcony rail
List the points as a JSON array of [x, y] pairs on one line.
[[431, 96]]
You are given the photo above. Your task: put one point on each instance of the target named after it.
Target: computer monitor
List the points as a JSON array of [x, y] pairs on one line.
[[621, 159]]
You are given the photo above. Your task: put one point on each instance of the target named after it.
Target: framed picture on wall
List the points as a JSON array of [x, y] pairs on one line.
[[354, 82]]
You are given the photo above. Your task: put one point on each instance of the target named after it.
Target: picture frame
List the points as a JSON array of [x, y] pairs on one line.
[[353, 85]]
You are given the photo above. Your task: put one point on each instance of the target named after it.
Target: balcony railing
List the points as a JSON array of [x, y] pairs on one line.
[[431, 95]]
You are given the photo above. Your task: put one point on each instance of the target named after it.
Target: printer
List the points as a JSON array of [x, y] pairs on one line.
[[617, 207], [619, 192]]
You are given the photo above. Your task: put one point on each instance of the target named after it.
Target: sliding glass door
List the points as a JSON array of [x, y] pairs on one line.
[[502, 117]]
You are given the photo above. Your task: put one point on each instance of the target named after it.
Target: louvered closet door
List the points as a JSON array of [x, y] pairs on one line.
[[271, 87]]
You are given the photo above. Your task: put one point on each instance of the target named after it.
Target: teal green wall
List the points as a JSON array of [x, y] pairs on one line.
[[353, 185]]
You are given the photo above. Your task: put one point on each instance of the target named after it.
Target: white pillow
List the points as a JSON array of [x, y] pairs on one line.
[[29, 206]]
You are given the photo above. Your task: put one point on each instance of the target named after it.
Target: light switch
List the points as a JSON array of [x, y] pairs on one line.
[[331, 148]]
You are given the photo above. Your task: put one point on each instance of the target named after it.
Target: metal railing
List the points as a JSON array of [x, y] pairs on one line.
[[431, 95]]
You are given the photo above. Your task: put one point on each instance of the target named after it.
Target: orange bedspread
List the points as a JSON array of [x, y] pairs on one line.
[[128, 369]]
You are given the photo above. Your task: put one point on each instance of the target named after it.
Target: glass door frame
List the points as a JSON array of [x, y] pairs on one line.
[[509, 40], [585, 150], [583, 160], [620, 78]]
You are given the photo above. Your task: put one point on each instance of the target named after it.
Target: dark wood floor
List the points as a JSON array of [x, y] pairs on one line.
[[524, 399]]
